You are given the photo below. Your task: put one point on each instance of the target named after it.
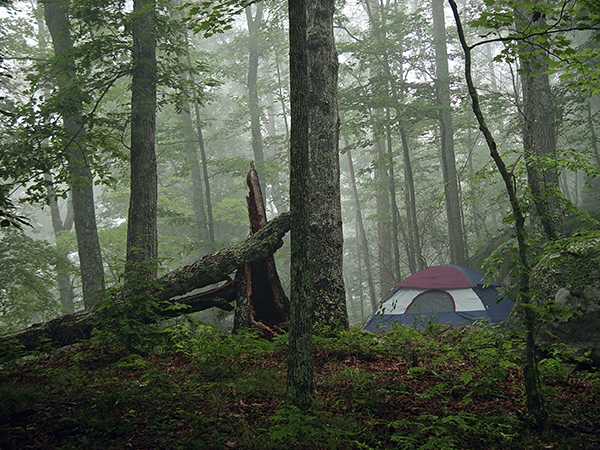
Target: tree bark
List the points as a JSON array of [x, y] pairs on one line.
[[299, 391], [80, 174], [325, 213], [539, 135], [211, 269], [142, 229], [451, 186]]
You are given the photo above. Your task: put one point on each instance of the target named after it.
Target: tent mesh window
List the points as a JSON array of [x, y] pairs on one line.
[[432, 301]]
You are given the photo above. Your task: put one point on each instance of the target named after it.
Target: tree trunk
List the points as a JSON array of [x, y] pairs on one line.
[[326, 236], [384, 238], [299, 392], [80, 174], [197, 194], [394, 204], [360, 229], [142, 233], [253, 105], [539, 135], [203, 160], [386, 235], [415, 252], [451, 187], [209, 270]]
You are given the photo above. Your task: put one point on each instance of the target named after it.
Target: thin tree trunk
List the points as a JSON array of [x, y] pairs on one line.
[[282, 98], [394, 204], [384, 238], [411, 206], [450, 177], [142, 228], [197, 194], [80, 174], [360, 229], [203, 159], [253, 105]]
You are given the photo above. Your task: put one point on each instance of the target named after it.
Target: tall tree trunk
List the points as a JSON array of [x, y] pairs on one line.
[[450, 177], [65, 287], [299, 391], [382, 180], [203, 160], [392, 186], [384, 237], [80, 174], [416, 254], [191, 156], [360, 229], [198, 197], [142, 232], [539, 135], [326, 236], [253, 26]]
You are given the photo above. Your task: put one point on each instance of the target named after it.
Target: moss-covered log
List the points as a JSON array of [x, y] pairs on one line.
[[209, 270]]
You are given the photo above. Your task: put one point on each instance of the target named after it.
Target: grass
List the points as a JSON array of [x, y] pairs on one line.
[[191, 388]]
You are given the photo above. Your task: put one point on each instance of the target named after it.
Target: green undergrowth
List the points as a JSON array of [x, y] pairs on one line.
[[190, 387]]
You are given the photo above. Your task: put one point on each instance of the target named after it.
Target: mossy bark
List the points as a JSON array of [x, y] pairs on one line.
[[142, 226], [326, 237], [299, 392]]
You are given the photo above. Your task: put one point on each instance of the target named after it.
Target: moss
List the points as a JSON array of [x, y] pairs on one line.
[[569, 273]]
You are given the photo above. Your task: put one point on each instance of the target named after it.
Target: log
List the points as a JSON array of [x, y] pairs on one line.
[[211, 269]]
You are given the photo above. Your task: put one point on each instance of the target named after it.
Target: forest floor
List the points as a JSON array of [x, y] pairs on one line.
[[192, 388]]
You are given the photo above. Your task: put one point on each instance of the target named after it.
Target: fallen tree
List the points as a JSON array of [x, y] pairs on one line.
[[211, 269]]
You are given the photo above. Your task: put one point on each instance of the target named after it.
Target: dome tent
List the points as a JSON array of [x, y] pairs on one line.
[[447, 294]]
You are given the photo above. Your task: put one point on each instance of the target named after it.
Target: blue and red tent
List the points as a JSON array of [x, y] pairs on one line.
[[448, 294]]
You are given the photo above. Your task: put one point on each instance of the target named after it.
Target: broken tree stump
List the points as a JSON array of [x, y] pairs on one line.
[[262, 299]]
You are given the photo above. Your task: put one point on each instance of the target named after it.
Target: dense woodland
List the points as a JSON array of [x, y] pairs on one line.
[[386, 135]]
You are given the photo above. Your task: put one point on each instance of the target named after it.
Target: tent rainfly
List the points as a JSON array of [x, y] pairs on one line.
[[446, 294]]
